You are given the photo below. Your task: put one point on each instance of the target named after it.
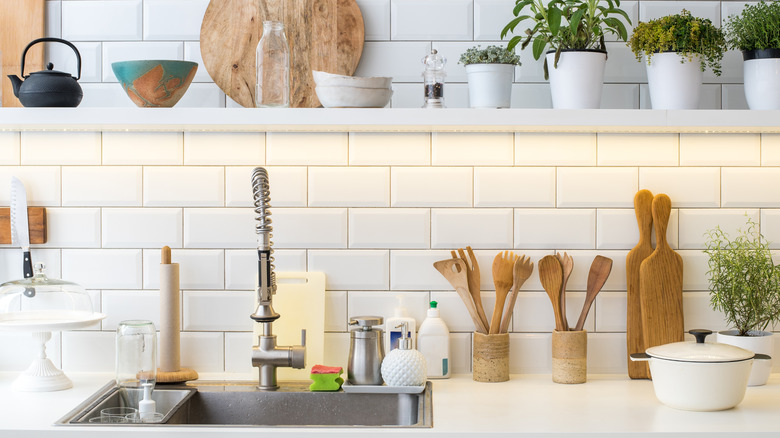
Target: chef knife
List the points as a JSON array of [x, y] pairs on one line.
[[20, 230]]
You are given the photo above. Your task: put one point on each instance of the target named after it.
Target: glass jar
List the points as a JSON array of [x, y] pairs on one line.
[[273, 68], [433, 79], [136, 354]]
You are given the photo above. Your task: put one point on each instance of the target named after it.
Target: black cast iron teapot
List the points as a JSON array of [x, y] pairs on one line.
[[48, 87]]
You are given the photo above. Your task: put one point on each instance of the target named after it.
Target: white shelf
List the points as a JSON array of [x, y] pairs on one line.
[[387, 120]]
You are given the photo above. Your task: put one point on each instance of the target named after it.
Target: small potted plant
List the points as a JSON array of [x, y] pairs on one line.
[[756, 32], [573, 31], [489, 72], [745, 286], [677, 49]]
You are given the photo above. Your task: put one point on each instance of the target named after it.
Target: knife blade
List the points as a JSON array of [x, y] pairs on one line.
[[20, 230]]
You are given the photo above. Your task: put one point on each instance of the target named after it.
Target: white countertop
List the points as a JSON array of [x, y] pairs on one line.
[[527, 405]]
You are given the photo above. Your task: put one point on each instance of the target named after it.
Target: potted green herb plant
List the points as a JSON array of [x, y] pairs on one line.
[[489, 72], [677, 49], [745, 286], [756, 32], [572, 32]]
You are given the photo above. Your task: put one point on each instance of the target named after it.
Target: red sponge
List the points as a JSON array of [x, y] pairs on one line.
[[322, 369]]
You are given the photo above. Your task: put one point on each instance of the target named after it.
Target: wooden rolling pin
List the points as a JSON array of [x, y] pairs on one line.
[[170, 324]]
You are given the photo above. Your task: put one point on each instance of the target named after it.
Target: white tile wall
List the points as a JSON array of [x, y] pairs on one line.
[[141, 227], [159, 22], [142, 148], [349, 186], [632, 150], [184, 186], [431, 187], [303, 228], [42, 184], [73, 227], [431, 19], [217, 311], [514, 186], [103, 268], [741, 187], [389, 228], [219, 228], [592, 187], [555, 228], [472, 149], [116, 20], [115, 186], [532, 149], [285, 148], [198, 268], [220, 148], [9, 148], [377, 148], [376, 19], [480, 228], [686, 186], [720, 150]]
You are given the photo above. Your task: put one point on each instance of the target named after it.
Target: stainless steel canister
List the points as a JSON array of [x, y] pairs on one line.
[[366, 351]]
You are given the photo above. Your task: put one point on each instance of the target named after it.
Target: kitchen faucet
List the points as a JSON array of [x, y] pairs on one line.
[[266, 355]]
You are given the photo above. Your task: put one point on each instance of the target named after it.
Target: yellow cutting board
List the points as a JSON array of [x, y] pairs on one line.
[[21, 21], [300, 300]]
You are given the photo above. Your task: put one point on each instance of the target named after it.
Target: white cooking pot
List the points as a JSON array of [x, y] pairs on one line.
[[699, 376]]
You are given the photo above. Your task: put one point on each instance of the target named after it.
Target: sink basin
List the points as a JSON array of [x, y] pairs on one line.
[[231, 403]]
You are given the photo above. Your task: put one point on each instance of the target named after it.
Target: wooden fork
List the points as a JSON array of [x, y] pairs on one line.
[[472, 272], [522, 270], [503, 277]]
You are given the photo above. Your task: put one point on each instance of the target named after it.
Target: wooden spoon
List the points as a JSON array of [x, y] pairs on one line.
[[599, 272], [454, 270], [567, 263], [523, 269], [472, 272], [503, 278], [551, 276]]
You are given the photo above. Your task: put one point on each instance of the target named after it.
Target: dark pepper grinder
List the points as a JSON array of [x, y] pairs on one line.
[[433, 79]]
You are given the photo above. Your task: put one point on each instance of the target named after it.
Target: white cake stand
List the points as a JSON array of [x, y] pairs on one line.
[[42, 374]]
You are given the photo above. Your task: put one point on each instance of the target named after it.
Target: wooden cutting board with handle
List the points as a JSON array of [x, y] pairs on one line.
[[324, 35], [660, 284], [634, 339], [300, 300], [21, 21]]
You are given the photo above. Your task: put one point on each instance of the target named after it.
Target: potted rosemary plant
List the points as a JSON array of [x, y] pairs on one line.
[[756, 32], [677, 49], [745, 286], [489, 73], [572, 32]]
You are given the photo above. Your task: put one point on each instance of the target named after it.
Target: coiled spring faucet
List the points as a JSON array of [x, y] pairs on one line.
[[266, 355]]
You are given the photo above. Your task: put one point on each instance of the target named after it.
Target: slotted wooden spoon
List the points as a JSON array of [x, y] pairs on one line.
[[454, 270], [503, 278], [567, 264], [599, 272], [522, 269], [551, 276], [472, 272]]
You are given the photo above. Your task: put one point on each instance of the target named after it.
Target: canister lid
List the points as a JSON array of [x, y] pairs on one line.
[[700, 351]]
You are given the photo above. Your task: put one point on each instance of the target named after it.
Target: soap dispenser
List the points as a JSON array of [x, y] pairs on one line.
[[404, 366], [147, 407]]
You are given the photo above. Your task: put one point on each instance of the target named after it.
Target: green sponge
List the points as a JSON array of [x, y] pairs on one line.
[[325, 378]]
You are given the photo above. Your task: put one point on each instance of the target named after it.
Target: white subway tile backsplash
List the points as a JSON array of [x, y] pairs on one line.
[[638, 150], [530, 353], [349, 186], [25, 350], [414, 20], [10, 153], [610, 311], [694, 270], [141, 227], [514, 186], [104, 96], [490, 17], [11, 262], [389, 228], [555, 228], [352, 270], [399, 60], [460, 353], [223, 148], [376, 19], [596, 187], [288, 186], [184, 186], [219, 228], [720, 150], [733, 95], [159, 22], [295, 148], [542, 149], [203, 95], [454, 313], [582, 262], [192, 53], [42, 184], [695, 223], [408, 96], [482, 228], [336, 311], [431, 187], [650, 10], [770, 226], [103, 268], [770, 149], [65, 60], [203, 351], [337, 349], [73, 227], [697, 313], [149, 148], [84, 351], [622, 66], [616, 229], [620, 96], [310, 228], [607, 353], [533, 311], [130, 51], [472, 149], [241, 266], [217, 310], [115, 186], [121, 305], [686, 186], [238, 352], [413, 270], [742, 187], [53, 19], [116, 20], [396, 149], [456, 72], [198, 269]]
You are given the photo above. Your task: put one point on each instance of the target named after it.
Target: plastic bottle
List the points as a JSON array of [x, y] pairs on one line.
[[147, 407], [392, 333], [433, 341]]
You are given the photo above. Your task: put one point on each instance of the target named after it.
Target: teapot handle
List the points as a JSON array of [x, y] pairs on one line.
[[55, 40]]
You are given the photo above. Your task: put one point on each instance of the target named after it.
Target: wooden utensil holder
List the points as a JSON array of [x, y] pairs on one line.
[[569, 356], [491, 357]]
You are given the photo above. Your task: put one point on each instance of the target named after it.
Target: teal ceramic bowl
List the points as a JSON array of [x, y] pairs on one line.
[[155, 83]]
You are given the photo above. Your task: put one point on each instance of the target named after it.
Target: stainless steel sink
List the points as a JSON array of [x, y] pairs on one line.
[[229, 403]]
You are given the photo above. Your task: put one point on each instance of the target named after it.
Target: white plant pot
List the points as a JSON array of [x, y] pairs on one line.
[[757, 342], [490, 85], [674, 84], [762, 79], [577, 81]]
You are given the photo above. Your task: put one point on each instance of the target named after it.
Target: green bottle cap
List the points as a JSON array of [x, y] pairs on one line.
[[434, 304]]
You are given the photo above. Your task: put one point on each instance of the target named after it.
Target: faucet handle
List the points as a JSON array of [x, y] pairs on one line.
[[303, 337]]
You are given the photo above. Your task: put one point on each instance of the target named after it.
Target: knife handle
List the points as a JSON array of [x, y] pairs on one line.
[[28, 271]]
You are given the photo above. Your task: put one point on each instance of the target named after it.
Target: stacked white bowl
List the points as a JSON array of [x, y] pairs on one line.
[[339, 91]]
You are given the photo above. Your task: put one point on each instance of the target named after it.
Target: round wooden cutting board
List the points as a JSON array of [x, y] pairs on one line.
[[324, 35]]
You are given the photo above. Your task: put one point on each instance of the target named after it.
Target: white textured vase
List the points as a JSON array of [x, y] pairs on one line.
[[404, 368], [762, 79], [674, 81], [577, 81], [490, 85], [757, 342]]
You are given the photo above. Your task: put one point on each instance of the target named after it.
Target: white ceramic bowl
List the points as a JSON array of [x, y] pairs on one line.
[[353, 97], [323, 79]]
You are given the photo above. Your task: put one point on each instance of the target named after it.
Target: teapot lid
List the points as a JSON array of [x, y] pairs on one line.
[[50, 71]]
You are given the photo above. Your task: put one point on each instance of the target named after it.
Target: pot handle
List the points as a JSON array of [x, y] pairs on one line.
[[53, 40], [639, 357], [760, 356]]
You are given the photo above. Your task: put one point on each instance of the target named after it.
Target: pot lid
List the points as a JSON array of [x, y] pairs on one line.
[[700, 351], [50, 71]]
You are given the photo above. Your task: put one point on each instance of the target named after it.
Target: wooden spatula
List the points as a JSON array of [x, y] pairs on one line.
[[472, 273], [503, 277], [551, 276], [567, 263], [522, 270], [454, 270], [660, 284], [599, 272], [634, 340]]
